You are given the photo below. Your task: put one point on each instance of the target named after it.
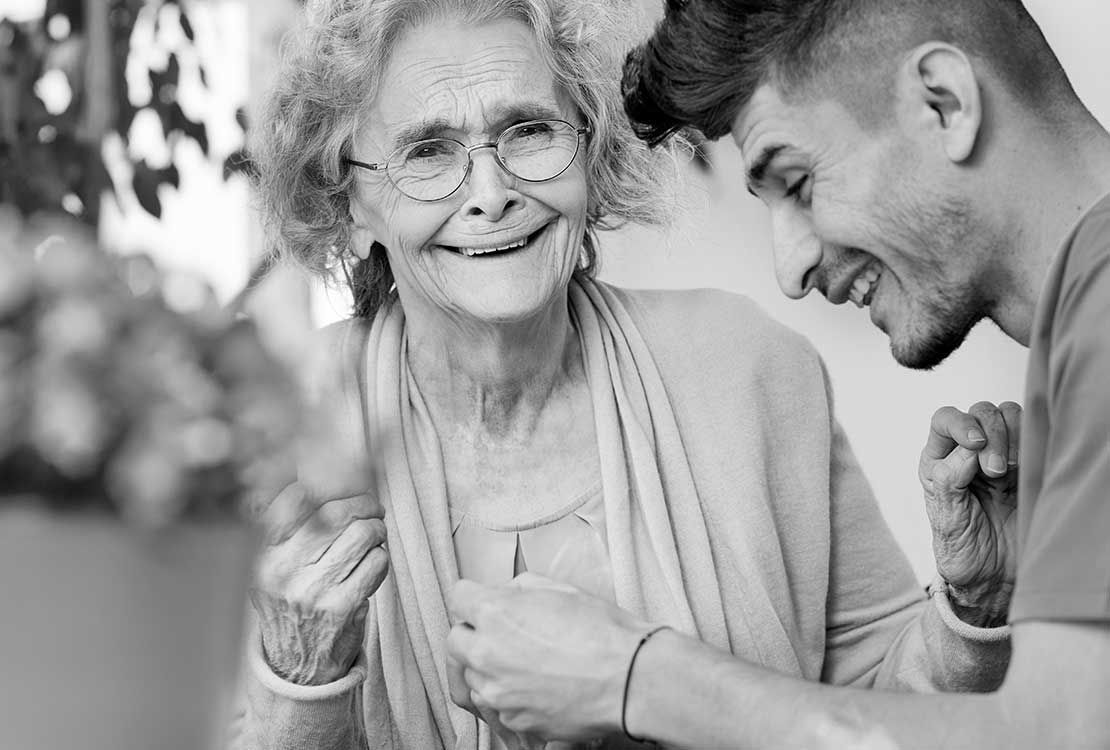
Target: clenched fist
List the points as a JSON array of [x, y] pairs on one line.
[[321, 564], [969, 471]]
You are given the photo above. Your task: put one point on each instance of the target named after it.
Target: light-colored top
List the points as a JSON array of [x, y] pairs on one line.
[[734, 510], [1064, 492], [567, 545]]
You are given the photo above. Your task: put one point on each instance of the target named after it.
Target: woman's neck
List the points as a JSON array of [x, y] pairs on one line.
[[495, 378]]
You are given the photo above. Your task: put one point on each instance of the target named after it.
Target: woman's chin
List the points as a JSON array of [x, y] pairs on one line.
[[511, 307]]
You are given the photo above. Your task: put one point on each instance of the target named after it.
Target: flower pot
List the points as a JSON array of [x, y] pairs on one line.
[[116, 638]]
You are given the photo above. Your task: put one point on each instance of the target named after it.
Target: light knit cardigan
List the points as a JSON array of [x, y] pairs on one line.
[[734, 511]]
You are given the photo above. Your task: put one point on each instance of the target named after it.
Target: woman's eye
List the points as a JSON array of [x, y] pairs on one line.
[[427, 151], [532, 129]]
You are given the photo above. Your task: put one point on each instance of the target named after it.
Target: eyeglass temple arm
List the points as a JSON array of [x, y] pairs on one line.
[[364, 165]]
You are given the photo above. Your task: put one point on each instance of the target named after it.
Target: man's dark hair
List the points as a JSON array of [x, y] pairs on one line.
[[706, 58]]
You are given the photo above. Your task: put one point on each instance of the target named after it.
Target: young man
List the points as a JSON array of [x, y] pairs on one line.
[[929, 160]]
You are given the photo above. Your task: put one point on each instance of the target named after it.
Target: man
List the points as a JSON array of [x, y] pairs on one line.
[[929, 160]]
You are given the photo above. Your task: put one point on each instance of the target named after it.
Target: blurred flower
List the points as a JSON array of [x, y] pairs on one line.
[[124, 387]]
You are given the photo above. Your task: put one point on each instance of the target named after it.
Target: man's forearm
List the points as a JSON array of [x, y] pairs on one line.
[[686, 694]]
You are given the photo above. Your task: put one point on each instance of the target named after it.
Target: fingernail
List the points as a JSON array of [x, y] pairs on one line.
[[975, 436], [997, 464]]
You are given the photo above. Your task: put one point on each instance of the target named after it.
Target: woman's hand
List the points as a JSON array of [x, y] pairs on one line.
[[969, 470], [320, 566]]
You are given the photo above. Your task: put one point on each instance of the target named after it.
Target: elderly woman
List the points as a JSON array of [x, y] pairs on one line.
[[673, 452]]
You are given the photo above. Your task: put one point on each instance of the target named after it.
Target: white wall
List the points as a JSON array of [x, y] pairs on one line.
[[724, 242]]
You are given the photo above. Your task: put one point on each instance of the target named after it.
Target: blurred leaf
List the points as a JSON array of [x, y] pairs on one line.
[[186, 26], [173, 118], [145, 184]]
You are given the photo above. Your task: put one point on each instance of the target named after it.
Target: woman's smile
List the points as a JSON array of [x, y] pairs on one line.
[[504, 244]]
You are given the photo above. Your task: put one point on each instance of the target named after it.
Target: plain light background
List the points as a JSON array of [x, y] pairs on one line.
[[724, 242]]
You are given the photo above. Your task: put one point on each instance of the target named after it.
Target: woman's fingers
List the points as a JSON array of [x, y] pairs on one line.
[[1011, 414], [314, 537], [954, 473], [349, 548], [285, 513], [994, 456]]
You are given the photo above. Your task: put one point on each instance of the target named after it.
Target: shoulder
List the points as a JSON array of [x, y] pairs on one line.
[[1077, 290], [332, 357], [333, 456], [699, 325]]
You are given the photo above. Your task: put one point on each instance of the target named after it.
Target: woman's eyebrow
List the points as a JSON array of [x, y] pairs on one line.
[[421, 131], [510, 114], [501, 117]]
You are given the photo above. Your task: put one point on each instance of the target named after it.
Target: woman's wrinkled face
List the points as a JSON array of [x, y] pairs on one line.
[[470, 82]]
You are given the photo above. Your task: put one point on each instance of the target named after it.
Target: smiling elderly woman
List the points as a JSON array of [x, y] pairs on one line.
[[673, 452]]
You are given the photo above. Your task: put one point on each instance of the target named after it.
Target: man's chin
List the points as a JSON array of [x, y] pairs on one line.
[[925, 353]]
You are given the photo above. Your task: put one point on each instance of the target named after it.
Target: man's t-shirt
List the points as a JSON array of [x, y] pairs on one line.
[[1064, 495]]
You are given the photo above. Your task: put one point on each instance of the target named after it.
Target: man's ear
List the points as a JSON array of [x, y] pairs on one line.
[[941, 89]]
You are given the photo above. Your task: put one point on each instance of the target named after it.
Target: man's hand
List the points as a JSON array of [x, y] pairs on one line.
[[547, 659], [969, 471], [320, 566]]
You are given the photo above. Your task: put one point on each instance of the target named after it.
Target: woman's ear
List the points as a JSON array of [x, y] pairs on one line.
[[941, 89], [362, 239]]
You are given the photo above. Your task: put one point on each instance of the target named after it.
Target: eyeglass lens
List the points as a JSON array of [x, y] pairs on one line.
[[531, 151]]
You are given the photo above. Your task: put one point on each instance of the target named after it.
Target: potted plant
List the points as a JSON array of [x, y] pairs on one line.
[[135, 417]]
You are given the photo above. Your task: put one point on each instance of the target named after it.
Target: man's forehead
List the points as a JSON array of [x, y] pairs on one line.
[[767, 110]]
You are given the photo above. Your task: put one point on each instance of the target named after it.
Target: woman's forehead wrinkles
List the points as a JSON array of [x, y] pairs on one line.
[[465, 98]]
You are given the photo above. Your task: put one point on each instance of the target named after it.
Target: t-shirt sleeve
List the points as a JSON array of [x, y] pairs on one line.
[[1064, 567]]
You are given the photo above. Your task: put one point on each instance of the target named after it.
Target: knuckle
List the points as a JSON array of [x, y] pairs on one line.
[[480, 656], [945, 413], [370, 576], [517, 721], [485, 610], [302, 591], [375, 531]]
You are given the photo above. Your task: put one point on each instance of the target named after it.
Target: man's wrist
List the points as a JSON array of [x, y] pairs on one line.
[[642, 709]]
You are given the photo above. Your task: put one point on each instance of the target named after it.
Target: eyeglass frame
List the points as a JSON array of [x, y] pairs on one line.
[[384, 165]]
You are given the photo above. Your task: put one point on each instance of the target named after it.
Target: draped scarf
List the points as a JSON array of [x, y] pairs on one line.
[[656, 530]]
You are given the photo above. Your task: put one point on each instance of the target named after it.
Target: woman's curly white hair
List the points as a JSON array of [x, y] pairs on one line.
[[331, 69]]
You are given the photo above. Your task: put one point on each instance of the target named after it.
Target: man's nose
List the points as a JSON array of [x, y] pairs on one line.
[[490, 189], [797, 251]]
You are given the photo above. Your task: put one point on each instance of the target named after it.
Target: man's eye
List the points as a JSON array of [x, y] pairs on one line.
[[795, 190]]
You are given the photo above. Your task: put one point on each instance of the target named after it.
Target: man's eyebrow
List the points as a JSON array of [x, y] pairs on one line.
[[502, 116], [758, 170]]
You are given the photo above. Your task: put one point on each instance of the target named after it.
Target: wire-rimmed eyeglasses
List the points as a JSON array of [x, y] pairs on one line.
[[433, 169]]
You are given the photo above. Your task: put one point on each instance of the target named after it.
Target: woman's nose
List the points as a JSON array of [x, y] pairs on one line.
[[490, 189], [797, 251]]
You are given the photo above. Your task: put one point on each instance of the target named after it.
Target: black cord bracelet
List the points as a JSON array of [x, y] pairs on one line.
[[628, 679]]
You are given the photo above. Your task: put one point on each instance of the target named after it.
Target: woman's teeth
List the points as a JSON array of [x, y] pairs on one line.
[[863, 287], [470, 252]]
